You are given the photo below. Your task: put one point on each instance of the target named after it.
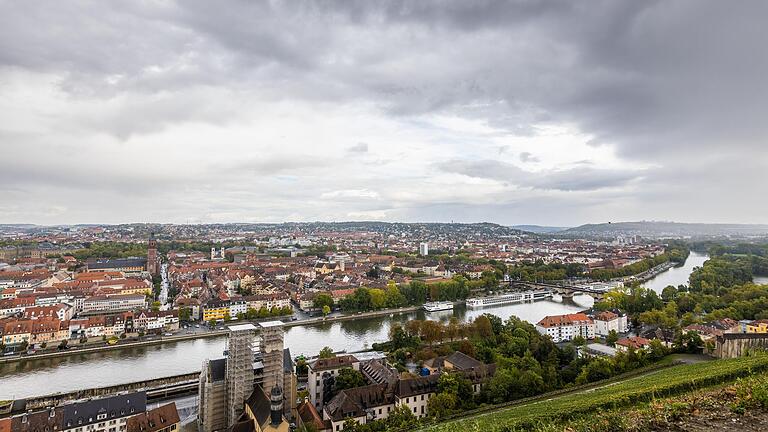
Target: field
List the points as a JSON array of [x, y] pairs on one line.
[[657, 384]]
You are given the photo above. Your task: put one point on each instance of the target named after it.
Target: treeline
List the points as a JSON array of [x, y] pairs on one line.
[[393, 296], [538, 271]]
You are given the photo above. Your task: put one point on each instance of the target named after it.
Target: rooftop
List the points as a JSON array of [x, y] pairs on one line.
[[242, 327]]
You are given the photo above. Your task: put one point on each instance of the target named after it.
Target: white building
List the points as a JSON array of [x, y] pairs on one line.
[[606, 321], [116, 303], [566, 327], [424, 249], [322, 369]]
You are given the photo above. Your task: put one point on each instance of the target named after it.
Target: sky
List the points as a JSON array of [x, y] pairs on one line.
[[514, 112]]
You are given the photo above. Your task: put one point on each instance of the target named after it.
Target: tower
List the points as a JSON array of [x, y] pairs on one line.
[[271, 348], [152, 262], [424, 249], [276, 405], [239, 371]]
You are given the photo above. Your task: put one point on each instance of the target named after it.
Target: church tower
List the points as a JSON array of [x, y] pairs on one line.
[[153, 266]]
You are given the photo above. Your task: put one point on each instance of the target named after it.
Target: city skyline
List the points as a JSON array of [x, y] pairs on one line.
[[514, 113]]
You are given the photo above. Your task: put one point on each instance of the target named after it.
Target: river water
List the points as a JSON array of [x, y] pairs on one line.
[[38, 377]]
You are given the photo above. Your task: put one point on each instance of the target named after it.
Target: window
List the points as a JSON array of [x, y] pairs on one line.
[[414, 410], [422, 397]]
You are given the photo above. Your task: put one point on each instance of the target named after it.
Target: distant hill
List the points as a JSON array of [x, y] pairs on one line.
[[667, 229], [539, 229]]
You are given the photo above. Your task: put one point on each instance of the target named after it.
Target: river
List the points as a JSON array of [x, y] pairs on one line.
[[677, 275], [38, 377]]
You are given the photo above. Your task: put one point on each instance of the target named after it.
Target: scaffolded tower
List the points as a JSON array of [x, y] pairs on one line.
[[271, 347], [240, 354]]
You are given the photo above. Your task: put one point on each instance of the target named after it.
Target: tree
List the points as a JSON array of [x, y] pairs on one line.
[[579, 340], [349, 378], [431, 331], [185, 314], [401, 417], [321, 300], [156, 306], [441, 405], [326, 310], [611, 338], [483, 326], [326, 352]]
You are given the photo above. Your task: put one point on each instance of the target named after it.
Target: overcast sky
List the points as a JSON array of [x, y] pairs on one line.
[[557, 113]]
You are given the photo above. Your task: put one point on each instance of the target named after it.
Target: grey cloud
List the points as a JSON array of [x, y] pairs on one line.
[[358, 148], [575, 179], [662, 83]]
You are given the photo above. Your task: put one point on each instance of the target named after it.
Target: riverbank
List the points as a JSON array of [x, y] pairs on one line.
[[107, 347], [210, 334]]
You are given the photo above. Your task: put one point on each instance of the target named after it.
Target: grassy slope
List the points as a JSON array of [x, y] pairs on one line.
[[664, 382]]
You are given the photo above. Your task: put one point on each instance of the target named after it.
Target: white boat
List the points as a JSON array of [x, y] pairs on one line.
[[438, 306], [517, 297]]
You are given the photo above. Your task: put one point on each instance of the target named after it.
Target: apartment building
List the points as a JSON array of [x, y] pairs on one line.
[[322, 372], [566, 327]]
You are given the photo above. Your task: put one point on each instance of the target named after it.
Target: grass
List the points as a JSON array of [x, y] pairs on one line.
[[656, 384]]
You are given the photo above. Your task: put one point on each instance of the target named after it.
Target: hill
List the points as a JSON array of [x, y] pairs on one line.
[[539, 229], [547, 411], [651, 229]]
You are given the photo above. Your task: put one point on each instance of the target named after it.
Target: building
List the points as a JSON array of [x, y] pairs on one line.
[[153, 263], [321, 376], [161, 419], [212, 411], [634, 342], [216, 310], [109, 414], [239, 371], [759, 326], [566, 327], [115, 303], [129, 266], [271, 349], [607, 321], [263, 413], [424, 249], [290, 385]]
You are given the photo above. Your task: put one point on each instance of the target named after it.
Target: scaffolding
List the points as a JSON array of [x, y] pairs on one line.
[[271, 347], [239, 371]]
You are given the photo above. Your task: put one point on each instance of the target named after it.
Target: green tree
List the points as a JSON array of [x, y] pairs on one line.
[[326, 352], [611, 338], [401, 418], [185, 314], [441, 405], [321, 300], [326, 310], [349, 378]]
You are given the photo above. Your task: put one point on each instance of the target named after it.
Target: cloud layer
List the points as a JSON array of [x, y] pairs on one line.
[[514, 112]]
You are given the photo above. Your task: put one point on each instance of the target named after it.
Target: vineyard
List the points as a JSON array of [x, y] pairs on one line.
[[661, 383]]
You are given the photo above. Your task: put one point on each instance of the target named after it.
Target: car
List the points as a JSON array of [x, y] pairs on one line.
[[293, 318], [197, 325], [168, 334]]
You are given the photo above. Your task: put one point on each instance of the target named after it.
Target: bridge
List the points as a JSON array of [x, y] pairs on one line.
[[569, 291]]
